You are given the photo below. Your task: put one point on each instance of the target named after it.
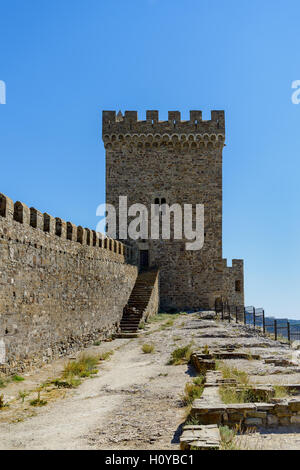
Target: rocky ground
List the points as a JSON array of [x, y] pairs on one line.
[[134, 402]]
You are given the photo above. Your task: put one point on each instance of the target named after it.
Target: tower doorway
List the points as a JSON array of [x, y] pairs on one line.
[[144, 259]]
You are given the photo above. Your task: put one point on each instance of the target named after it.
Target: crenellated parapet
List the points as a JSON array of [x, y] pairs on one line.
[[119, 130], [62, 286], [56, 227]]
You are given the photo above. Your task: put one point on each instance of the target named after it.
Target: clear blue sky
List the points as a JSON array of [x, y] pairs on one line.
[[65, 60]]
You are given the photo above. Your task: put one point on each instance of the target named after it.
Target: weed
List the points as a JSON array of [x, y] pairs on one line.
[[233, 373], [17, 378], [227, 438], [38, 401], [148, 348], [169, 323], [243, 395], [64, 383], [83, 367], [205, 349], [191, 421], [180, 355], [72, 381], [22, 395], [97, 343], [142, 325], [3, 404], [280, 391], [191, 392], [105, 356], [249, 356], [163, 316], [199, 380], [229, 395]]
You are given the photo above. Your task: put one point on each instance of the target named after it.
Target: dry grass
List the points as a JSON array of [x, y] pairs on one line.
[[180, 355], [71, 382], [280, 391], [233, 373], [83, 367], [3, 404], [232, 395], [228, 438], [148, 348], [168, 324], [38, 401], [22, 395], [193, 390], [246, 393], [4, 381], [163, 317], [105, 356]]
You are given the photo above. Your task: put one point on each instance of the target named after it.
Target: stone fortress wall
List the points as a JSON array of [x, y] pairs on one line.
[[61, 286], [179, 162]]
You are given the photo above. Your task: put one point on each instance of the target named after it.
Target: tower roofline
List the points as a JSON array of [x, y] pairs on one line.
[[113, 123]]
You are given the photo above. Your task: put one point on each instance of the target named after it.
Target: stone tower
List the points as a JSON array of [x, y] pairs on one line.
[[174, 161]]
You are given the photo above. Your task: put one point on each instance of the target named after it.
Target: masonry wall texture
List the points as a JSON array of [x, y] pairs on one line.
[[61, 286], [179, 162], [153, 304]]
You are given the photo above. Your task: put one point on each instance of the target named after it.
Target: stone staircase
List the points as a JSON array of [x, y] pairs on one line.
[[138, 302]]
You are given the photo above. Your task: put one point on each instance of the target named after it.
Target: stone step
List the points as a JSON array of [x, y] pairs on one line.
[[132, 319], [138, 301], [124, 335], [200, 437], [129, 330], [132, 316]]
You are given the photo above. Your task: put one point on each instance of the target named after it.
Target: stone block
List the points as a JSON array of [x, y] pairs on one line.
[[295, 419], [200, 437], [264, 406], [253, 422], [284, 421], [272, 420], [210, 418], [257, 414], [235, 417], [240, 407], [294, 405]]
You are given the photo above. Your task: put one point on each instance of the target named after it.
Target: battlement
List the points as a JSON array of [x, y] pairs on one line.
[[124, 129], [57, 227]]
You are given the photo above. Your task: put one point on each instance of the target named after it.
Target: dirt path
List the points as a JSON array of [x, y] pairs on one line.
[[134, 401]]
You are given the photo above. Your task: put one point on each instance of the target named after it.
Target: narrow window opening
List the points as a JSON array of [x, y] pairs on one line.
[[238, 286]]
